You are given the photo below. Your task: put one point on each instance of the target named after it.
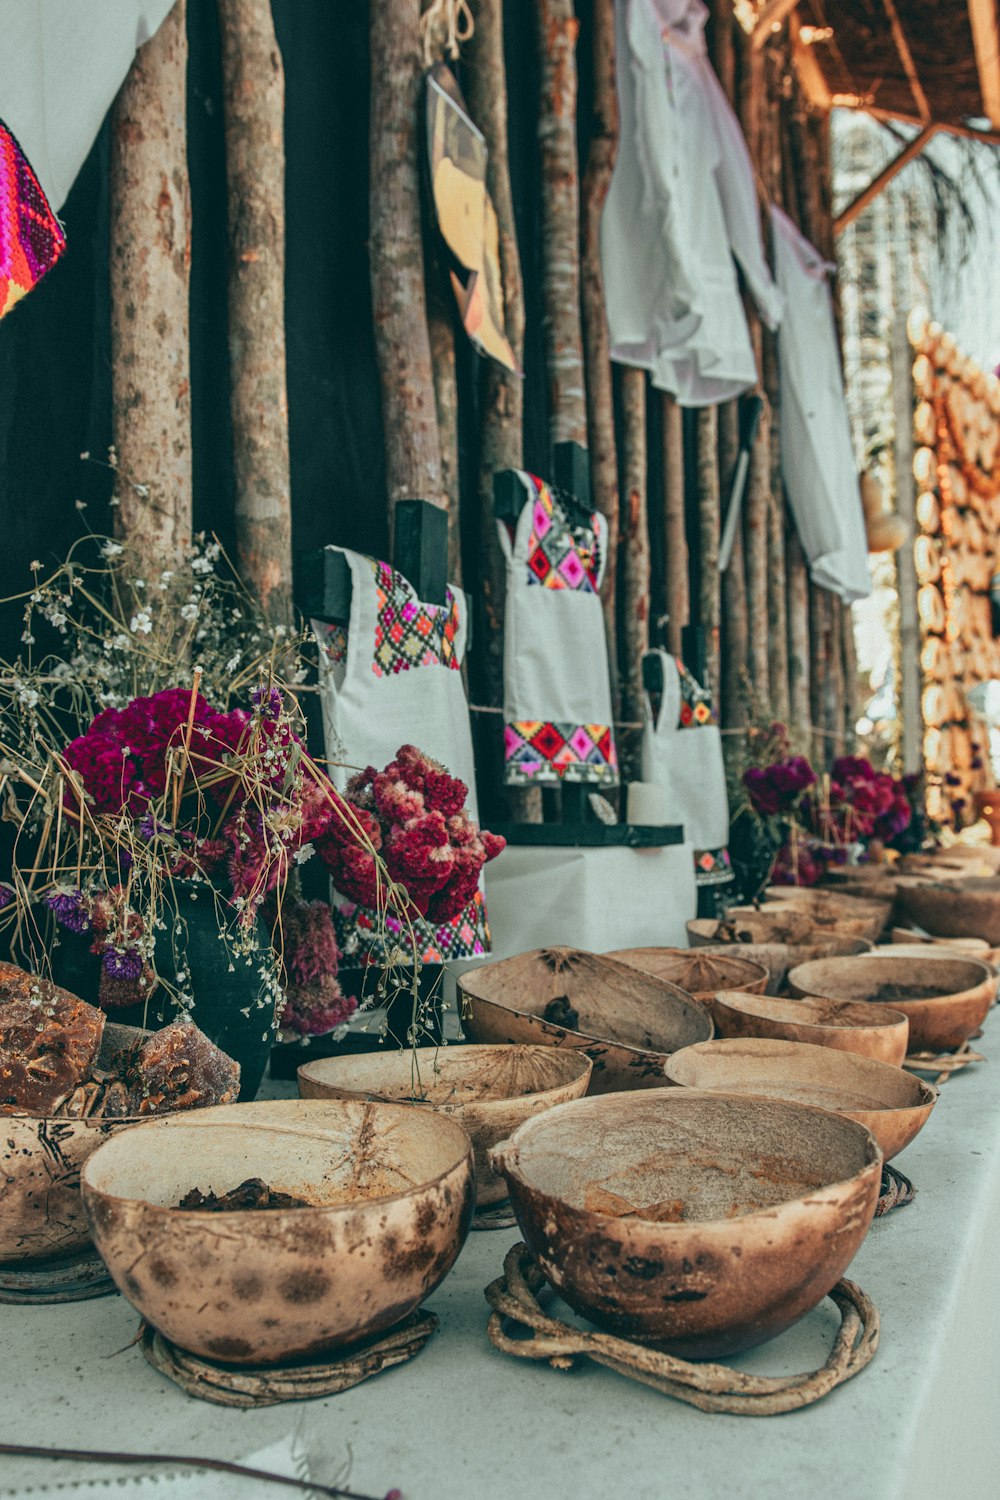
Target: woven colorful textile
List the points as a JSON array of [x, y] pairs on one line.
[[465, 936], [537, 753], [408, 632], [560, 555], [31, 240]]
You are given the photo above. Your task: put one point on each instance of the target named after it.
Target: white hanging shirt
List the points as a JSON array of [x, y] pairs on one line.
[[393, 677], [682, 203], [817, 454], [61, 64]]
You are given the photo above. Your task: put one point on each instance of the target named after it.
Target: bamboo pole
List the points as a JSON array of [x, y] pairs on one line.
[[500, 433], [596, 344], [675, 534], [557, 32], [150, 268], [709, 605], [402, 342], [254, 103], [635, 555], [735, 634]]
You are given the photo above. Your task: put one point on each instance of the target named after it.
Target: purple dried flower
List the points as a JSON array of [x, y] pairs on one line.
[[267, 701], [127, 965], [6, 896], [69, 910]]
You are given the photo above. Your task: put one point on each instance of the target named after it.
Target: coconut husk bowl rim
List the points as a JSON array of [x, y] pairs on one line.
[[670, 1095], [926, 1093], [242, 1218], [695, 954], [886, 1015], [987, 972], [572, 1057]]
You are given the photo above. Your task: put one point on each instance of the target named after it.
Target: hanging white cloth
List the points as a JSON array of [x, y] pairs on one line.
[[817, 454], [682, 203], [556, 681], [393, 677], [682, 752], [61, 64]]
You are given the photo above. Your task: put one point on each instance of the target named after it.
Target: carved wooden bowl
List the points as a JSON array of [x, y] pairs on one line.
[[391, 1197], [892, 1104], [945, 999], [700, 1222], [626, 1021], [962, 908], [846, 1025], [778, 958], [488, 1090], [846, 915], [698, 973], [41, 1211]]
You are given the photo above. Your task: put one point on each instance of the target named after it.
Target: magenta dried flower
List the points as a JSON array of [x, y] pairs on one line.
[[69, 910]]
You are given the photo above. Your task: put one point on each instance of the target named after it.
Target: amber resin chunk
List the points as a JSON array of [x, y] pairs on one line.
[[179, 1068], [49, 1041]]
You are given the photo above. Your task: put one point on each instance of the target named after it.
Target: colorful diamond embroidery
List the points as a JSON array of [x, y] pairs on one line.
[[332, 640], [549, 753], [712, 867], [409, 633], [31, 239], [696, 708], [560, 556], [467, 935]]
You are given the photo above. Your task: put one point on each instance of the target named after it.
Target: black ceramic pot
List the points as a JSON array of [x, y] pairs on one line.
[[220, 997]]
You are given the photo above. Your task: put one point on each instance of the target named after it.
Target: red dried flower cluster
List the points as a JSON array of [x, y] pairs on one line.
[[314, 1000], [413, 813]]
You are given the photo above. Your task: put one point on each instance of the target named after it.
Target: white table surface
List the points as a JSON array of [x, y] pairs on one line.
[[464, 1422]]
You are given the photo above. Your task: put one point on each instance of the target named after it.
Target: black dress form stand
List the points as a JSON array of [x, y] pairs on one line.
[[567, 816], [323, 592]]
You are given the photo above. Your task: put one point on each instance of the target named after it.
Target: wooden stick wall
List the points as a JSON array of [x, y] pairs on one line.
[[774, 644]]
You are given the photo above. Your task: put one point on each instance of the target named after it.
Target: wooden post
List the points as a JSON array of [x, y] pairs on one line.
[[756, 512], [850, 660], [254, 99], [557, 32], [735, 641], [818, 631], [596, 344], [635, 557], [402, 344], [797, 583], [777, 611], [441, 332], [906, 573], [500, 433], [675, 535], [150, 274], [707, 462]]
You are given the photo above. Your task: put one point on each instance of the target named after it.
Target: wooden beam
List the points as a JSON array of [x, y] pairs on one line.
[[889, 171], [986, 43], [967, 132], [770, 19], [807, 66], [906, 58]]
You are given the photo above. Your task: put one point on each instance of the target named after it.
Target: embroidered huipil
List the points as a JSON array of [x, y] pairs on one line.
[[557, 690], [393, 676], [682, 203], [31, 238], [682, 751], [817, 455]]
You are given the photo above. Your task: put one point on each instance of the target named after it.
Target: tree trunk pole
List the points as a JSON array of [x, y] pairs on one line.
[[675, 535], [735, 634], [777, 611], [557, 30], [798, 632], [254, 99], [707, 459], [402, 343], [635, 560], [503, 393], [596, 343], [441, 332], [150, 275]]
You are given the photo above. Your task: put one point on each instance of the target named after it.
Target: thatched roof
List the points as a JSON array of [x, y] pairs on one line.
[[929, 61]]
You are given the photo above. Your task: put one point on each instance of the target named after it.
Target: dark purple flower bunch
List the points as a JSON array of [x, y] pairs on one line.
[[775, 790]]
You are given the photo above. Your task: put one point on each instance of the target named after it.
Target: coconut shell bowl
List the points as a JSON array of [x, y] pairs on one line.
[[700, 1223], [697, 973], [489, 1091], [846, 1025], [892, 1104], [945, 1000], [627, 1022], [960, 908], [389, 1193]]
